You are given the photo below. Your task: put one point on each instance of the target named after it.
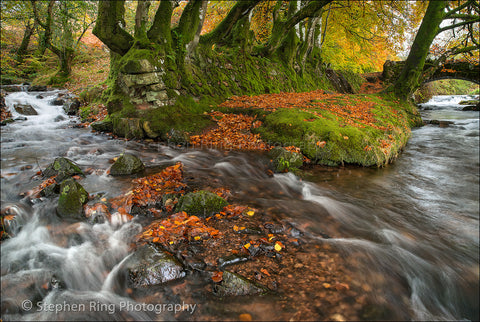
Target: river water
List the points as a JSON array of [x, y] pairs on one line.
[[410, 230]]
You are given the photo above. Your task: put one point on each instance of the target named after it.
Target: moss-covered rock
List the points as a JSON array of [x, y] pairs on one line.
[[201, 203], [102, 126], [62, 168], [284, 161], [72, 198], [130, 128], [126, 164], [233, 284]]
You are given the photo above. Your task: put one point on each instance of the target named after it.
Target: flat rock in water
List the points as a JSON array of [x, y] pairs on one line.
[[25, 109], [149, 265], [126, 164]]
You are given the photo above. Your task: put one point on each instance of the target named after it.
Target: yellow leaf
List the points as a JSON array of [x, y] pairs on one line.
[[197, 237], [278, 247], [250, 213], [326, 285], [247, 245]]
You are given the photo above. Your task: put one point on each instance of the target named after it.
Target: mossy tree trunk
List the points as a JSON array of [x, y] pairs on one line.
[[410, 77], [22, 50], [46, 32], [282, 27]]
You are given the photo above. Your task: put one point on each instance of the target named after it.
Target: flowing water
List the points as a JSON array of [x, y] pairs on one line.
[[410, 230]]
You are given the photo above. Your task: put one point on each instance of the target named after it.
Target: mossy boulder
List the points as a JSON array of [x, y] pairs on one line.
[[201, 203], [126, 164], [102, 126], [149, 265], [62, 168], [130, 128], [72, 198], [284, 160], [233, 284]]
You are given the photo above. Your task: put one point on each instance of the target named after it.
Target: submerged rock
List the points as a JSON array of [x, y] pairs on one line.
[[233, 284], [72, 198], [126, 164], [23, 286], [149, 265], [284, 160], [201, 203], [25, 109]]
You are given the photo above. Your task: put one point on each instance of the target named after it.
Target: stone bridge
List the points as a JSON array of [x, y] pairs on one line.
[[451, 69]]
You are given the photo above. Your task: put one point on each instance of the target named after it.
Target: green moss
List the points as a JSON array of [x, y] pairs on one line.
[[344, 143], [201, 203]]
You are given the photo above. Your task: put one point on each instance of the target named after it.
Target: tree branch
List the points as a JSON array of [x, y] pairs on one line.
[[460, 24], [109, 26]]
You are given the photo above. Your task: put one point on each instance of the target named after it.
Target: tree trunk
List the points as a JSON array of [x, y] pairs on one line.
[[191, 24], [46, 35], [160, 31], [410, 77], [109, 26], [222, 32], [281, 29], [22, 50], [141, 19]]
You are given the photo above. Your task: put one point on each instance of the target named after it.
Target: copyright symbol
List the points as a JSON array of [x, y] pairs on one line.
[[27, 305]]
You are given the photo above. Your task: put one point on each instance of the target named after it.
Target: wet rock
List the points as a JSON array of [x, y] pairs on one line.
[[59, 118], [149, 265], [201, 203], [7, 121], [284, 160], [126, 164], [439, 123], [50, 190], [62, 168], [20, 118], [37, 88], [71, 106], [59, 101], [469, 102], [22, 286], [178, 137], [233, 284], [472, 107], [25, 109], [11, 88], [72, 198], [250, 231], [231, 260], [102, 126]]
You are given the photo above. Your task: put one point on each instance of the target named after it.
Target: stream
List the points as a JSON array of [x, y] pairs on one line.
[[409, 231]]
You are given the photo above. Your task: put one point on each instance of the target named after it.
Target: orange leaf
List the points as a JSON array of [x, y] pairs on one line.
[[217, 277]]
